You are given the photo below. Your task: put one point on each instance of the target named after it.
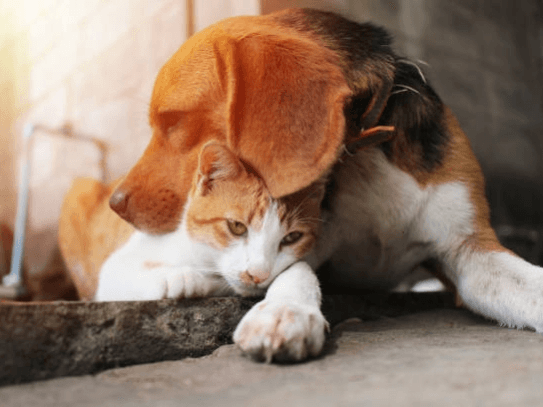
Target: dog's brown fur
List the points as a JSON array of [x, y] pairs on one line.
[[89, 232]]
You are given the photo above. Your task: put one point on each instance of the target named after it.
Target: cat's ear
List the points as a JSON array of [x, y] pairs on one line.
[[216, 162]]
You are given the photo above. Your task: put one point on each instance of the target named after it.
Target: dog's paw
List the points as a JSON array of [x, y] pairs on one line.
[[284, 332]]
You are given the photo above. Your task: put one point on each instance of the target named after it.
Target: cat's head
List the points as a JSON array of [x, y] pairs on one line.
[[254, 236]]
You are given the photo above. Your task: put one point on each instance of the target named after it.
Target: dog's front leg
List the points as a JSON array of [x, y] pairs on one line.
[[500, 285], [288, 324]]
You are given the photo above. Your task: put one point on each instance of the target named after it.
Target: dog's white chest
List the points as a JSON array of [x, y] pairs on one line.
[[382, 224]]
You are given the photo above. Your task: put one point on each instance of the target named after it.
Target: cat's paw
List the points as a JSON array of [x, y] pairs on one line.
[[284, 332], [186, 283]]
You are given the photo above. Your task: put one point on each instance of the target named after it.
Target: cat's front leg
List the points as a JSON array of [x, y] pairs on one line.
[[155, 281], [184, 282], [288, 324]]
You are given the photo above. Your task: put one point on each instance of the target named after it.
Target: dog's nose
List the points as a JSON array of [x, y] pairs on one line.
[[119, 202]]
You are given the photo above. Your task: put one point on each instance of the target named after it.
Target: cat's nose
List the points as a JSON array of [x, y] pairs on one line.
[[254, 276]]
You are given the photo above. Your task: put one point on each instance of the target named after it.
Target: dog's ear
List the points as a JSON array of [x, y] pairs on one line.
[[285, 109], [277, 99], [366, 58]]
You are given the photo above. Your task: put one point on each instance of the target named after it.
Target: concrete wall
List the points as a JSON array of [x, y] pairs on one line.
[[91, 65]]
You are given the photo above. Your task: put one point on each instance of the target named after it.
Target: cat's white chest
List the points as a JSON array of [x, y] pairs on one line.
[[383, 224]]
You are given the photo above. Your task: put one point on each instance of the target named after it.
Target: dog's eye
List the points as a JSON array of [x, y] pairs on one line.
[[291, 238], [236, 228]]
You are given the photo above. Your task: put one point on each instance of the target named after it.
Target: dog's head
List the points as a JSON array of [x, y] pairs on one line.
[[285, 92]]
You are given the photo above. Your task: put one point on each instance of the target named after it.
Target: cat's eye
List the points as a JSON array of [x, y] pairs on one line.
[[291, 238], [236, 228]]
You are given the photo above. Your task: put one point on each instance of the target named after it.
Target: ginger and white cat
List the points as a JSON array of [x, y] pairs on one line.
[[234, 238]]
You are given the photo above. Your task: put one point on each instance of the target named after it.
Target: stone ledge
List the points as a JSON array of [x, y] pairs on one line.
[[46, 340]]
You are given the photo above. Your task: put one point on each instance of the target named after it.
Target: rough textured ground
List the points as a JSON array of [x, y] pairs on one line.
[[439, 357], [46, 340]]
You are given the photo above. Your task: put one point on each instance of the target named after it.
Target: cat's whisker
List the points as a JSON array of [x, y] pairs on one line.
[[209, 271], [224, 286]]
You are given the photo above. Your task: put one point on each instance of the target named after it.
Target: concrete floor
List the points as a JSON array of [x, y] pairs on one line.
[[440, 357]]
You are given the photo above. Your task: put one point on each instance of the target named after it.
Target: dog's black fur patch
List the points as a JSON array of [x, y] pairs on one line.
[[416, 109]]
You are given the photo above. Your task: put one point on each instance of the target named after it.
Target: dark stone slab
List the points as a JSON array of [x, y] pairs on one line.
[[45, 340]]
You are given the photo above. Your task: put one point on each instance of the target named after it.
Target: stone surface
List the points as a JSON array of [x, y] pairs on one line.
[[439, 357], [45, 340]]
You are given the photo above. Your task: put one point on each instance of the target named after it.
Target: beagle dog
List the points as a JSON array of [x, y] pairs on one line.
[[303, 95]]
